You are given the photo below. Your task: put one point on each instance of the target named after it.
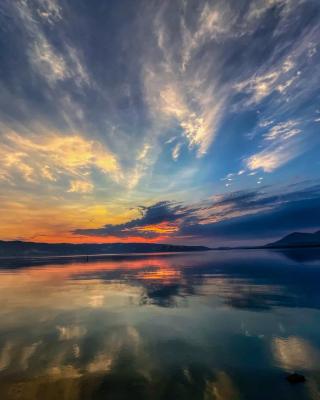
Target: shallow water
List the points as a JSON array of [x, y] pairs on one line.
[[222, 325]]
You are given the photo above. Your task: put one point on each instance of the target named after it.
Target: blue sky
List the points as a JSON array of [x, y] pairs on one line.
[[153, 120]]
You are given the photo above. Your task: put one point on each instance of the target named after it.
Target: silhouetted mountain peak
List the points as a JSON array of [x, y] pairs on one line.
[[297, 239]]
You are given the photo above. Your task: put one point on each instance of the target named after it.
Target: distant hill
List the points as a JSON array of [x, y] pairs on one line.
[[27, 249], [298, 239]]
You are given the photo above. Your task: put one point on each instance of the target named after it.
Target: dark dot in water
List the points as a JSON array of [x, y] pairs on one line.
[[295, 378]]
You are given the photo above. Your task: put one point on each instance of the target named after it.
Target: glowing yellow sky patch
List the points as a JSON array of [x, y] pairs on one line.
[[29, 219], [49, 155]]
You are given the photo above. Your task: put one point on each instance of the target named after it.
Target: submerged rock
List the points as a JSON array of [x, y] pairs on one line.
[[296, 378]]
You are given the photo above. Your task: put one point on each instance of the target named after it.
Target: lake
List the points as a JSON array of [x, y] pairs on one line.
[[221, 325]]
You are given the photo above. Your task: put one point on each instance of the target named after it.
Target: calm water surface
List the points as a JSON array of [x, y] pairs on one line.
[[221, 325]]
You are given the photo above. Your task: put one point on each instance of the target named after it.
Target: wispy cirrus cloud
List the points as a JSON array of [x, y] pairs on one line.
[[190, 105], [56, 157], [272, 157], [283, 130], [49, 10], [278, 79], [179, 90], [80, 186], [53, 65], [280, 145]]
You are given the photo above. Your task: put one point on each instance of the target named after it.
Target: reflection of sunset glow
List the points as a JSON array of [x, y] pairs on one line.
[[68, 270], [90, 291], [165, 275]]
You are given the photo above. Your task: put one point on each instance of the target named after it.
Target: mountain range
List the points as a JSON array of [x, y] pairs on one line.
[[32, 249]]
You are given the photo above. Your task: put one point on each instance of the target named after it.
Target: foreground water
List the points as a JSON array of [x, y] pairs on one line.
[[222, 325]]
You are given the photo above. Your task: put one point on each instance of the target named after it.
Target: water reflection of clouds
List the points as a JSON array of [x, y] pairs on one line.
[[71, 332], [295, 353], [243, 294], [144, 324], [222, 388], [252, 280]]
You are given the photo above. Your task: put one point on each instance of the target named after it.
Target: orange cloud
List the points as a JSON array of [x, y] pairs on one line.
[[162, 228]]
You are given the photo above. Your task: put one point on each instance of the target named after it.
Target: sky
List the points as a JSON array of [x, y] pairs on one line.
[[172, 121]]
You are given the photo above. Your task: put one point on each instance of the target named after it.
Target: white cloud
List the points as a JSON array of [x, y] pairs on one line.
[[272, 157], [78, 186], [52, 64], [47, 173], [214, 21], [47, 62], [49, 10], [281, 144], [143, 153], [264, 123], [51, 156], [183, 92], [187, 81], [79, 72], [283, 130], [176, 151], [282, 87], [262, 85], [191, 104], [179, 90], [312, 49], [259, 8]]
